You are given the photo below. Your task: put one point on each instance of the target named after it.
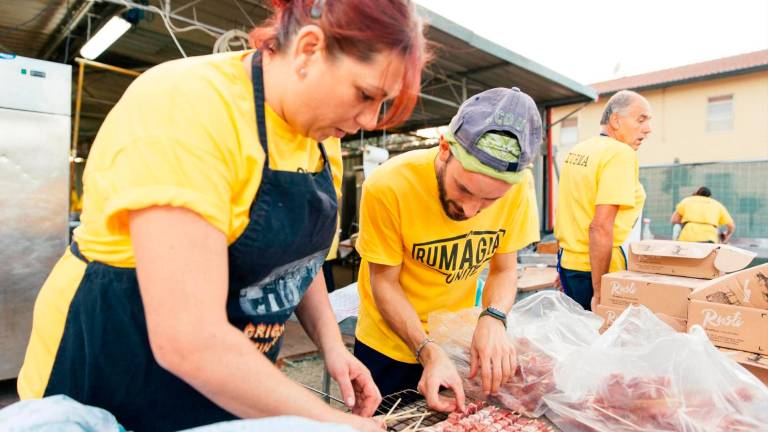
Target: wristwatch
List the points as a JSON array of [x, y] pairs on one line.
[[493, 312]]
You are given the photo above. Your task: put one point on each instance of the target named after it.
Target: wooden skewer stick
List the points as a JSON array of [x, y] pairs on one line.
[[393, 408], [616, 417], [415, 428], [401, 416], [404, 414]]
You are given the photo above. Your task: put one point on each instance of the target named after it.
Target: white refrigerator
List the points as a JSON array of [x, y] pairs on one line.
[[35, 112]]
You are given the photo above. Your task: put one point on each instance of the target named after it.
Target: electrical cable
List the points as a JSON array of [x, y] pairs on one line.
[[168, 25], [225, 41], [253, 24], [166, 15], [229, 39]]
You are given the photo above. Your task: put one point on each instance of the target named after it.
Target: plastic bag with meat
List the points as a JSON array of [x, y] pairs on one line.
[[639, 376], [543, 328]]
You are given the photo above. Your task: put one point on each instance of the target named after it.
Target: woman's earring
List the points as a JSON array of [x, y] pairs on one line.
[[303, 72]]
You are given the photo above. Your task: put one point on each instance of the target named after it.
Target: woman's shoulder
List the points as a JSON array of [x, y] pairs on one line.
[[192, 78]]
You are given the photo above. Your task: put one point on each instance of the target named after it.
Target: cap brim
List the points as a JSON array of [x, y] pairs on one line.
[[473, 164]]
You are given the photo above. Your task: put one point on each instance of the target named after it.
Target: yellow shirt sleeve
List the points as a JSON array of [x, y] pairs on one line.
[[523, 226], [178, 155], [680, 209], [725, 217], [616, 179], [380, 239]]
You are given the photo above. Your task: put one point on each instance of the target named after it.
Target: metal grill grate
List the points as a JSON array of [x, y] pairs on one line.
[[409, 399]]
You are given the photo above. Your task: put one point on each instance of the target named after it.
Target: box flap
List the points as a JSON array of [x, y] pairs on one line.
[[743, 357], [730, 259], [745, 288], [659, 279], [673, 249]]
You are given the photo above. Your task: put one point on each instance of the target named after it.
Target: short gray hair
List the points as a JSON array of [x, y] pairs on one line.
[[618, 103]]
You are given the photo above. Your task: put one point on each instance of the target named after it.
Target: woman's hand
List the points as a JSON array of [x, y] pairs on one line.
[[366, 424], [358, 390]]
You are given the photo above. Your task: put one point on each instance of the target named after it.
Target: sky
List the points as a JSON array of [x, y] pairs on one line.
[[597, 40]]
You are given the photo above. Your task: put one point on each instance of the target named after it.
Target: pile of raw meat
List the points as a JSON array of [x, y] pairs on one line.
[[487, 418], [532, 380], [542, 328], [637, 377], [640, 375]]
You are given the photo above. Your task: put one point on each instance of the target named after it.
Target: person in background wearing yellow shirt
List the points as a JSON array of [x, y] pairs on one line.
[[209, 207], [600, 198], [701, 216], [430, 221]]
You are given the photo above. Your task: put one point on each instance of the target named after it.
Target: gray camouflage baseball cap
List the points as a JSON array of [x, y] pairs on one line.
[[505, 110]]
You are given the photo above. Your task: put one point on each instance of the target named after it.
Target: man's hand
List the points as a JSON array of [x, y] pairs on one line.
[[594, 303], [358, 390], [439, 371], [492, 354]]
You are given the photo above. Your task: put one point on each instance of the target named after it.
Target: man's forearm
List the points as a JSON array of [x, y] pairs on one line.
[[398, 312], [600, 252], [500, 289]]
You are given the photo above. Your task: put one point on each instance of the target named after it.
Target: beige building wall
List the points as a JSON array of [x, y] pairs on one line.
[[680, 122]]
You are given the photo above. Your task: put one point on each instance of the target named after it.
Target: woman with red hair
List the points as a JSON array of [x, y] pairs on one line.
[[209, 206]]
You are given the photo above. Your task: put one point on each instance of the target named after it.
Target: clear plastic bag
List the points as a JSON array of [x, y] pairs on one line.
[[57, 413], [543, 328], [643, 376]]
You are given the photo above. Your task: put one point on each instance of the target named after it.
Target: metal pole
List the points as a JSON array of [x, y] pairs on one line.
[[105, 66], [440, 100], [78, 103]]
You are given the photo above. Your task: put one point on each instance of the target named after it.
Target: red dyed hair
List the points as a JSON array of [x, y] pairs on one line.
[[358, 28]]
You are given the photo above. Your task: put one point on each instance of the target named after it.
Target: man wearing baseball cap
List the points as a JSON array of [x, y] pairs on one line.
[[430, 221]]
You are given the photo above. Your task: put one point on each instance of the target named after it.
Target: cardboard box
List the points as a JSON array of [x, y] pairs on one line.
[[696, 260], [757, 364], [737, 327], [610, 314], [547, 247], [744, 288], [659, 293]]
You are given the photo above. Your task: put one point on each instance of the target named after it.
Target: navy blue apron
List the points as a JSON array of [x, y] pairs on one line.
[[104, 358]]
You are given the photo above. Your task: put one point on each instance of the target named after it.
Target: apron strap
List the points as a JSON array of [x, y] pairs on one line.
[[326, 161], [76, 252], [624, 255], [257, 78]]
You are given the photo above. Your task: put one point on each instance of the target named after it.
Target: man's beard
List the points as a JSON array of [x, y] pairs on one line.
[[451, 209]]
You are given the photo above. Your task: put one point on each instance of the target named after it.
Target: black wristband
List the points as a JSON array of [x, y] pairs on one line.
[[495, 313]]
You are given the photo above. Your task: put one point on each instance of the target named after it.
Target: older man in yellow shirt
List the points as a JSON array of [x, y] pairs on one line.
[[600, 198]]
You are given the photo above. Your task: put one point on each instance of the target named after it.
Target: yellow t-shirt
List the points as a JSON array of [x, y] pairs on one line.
[[701, 216], [184, 135], [403, 223], [597, 171]]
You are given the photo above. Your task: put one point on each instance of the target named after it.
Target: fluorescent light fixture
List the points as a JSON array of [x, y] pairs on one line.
[[105, 37]]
